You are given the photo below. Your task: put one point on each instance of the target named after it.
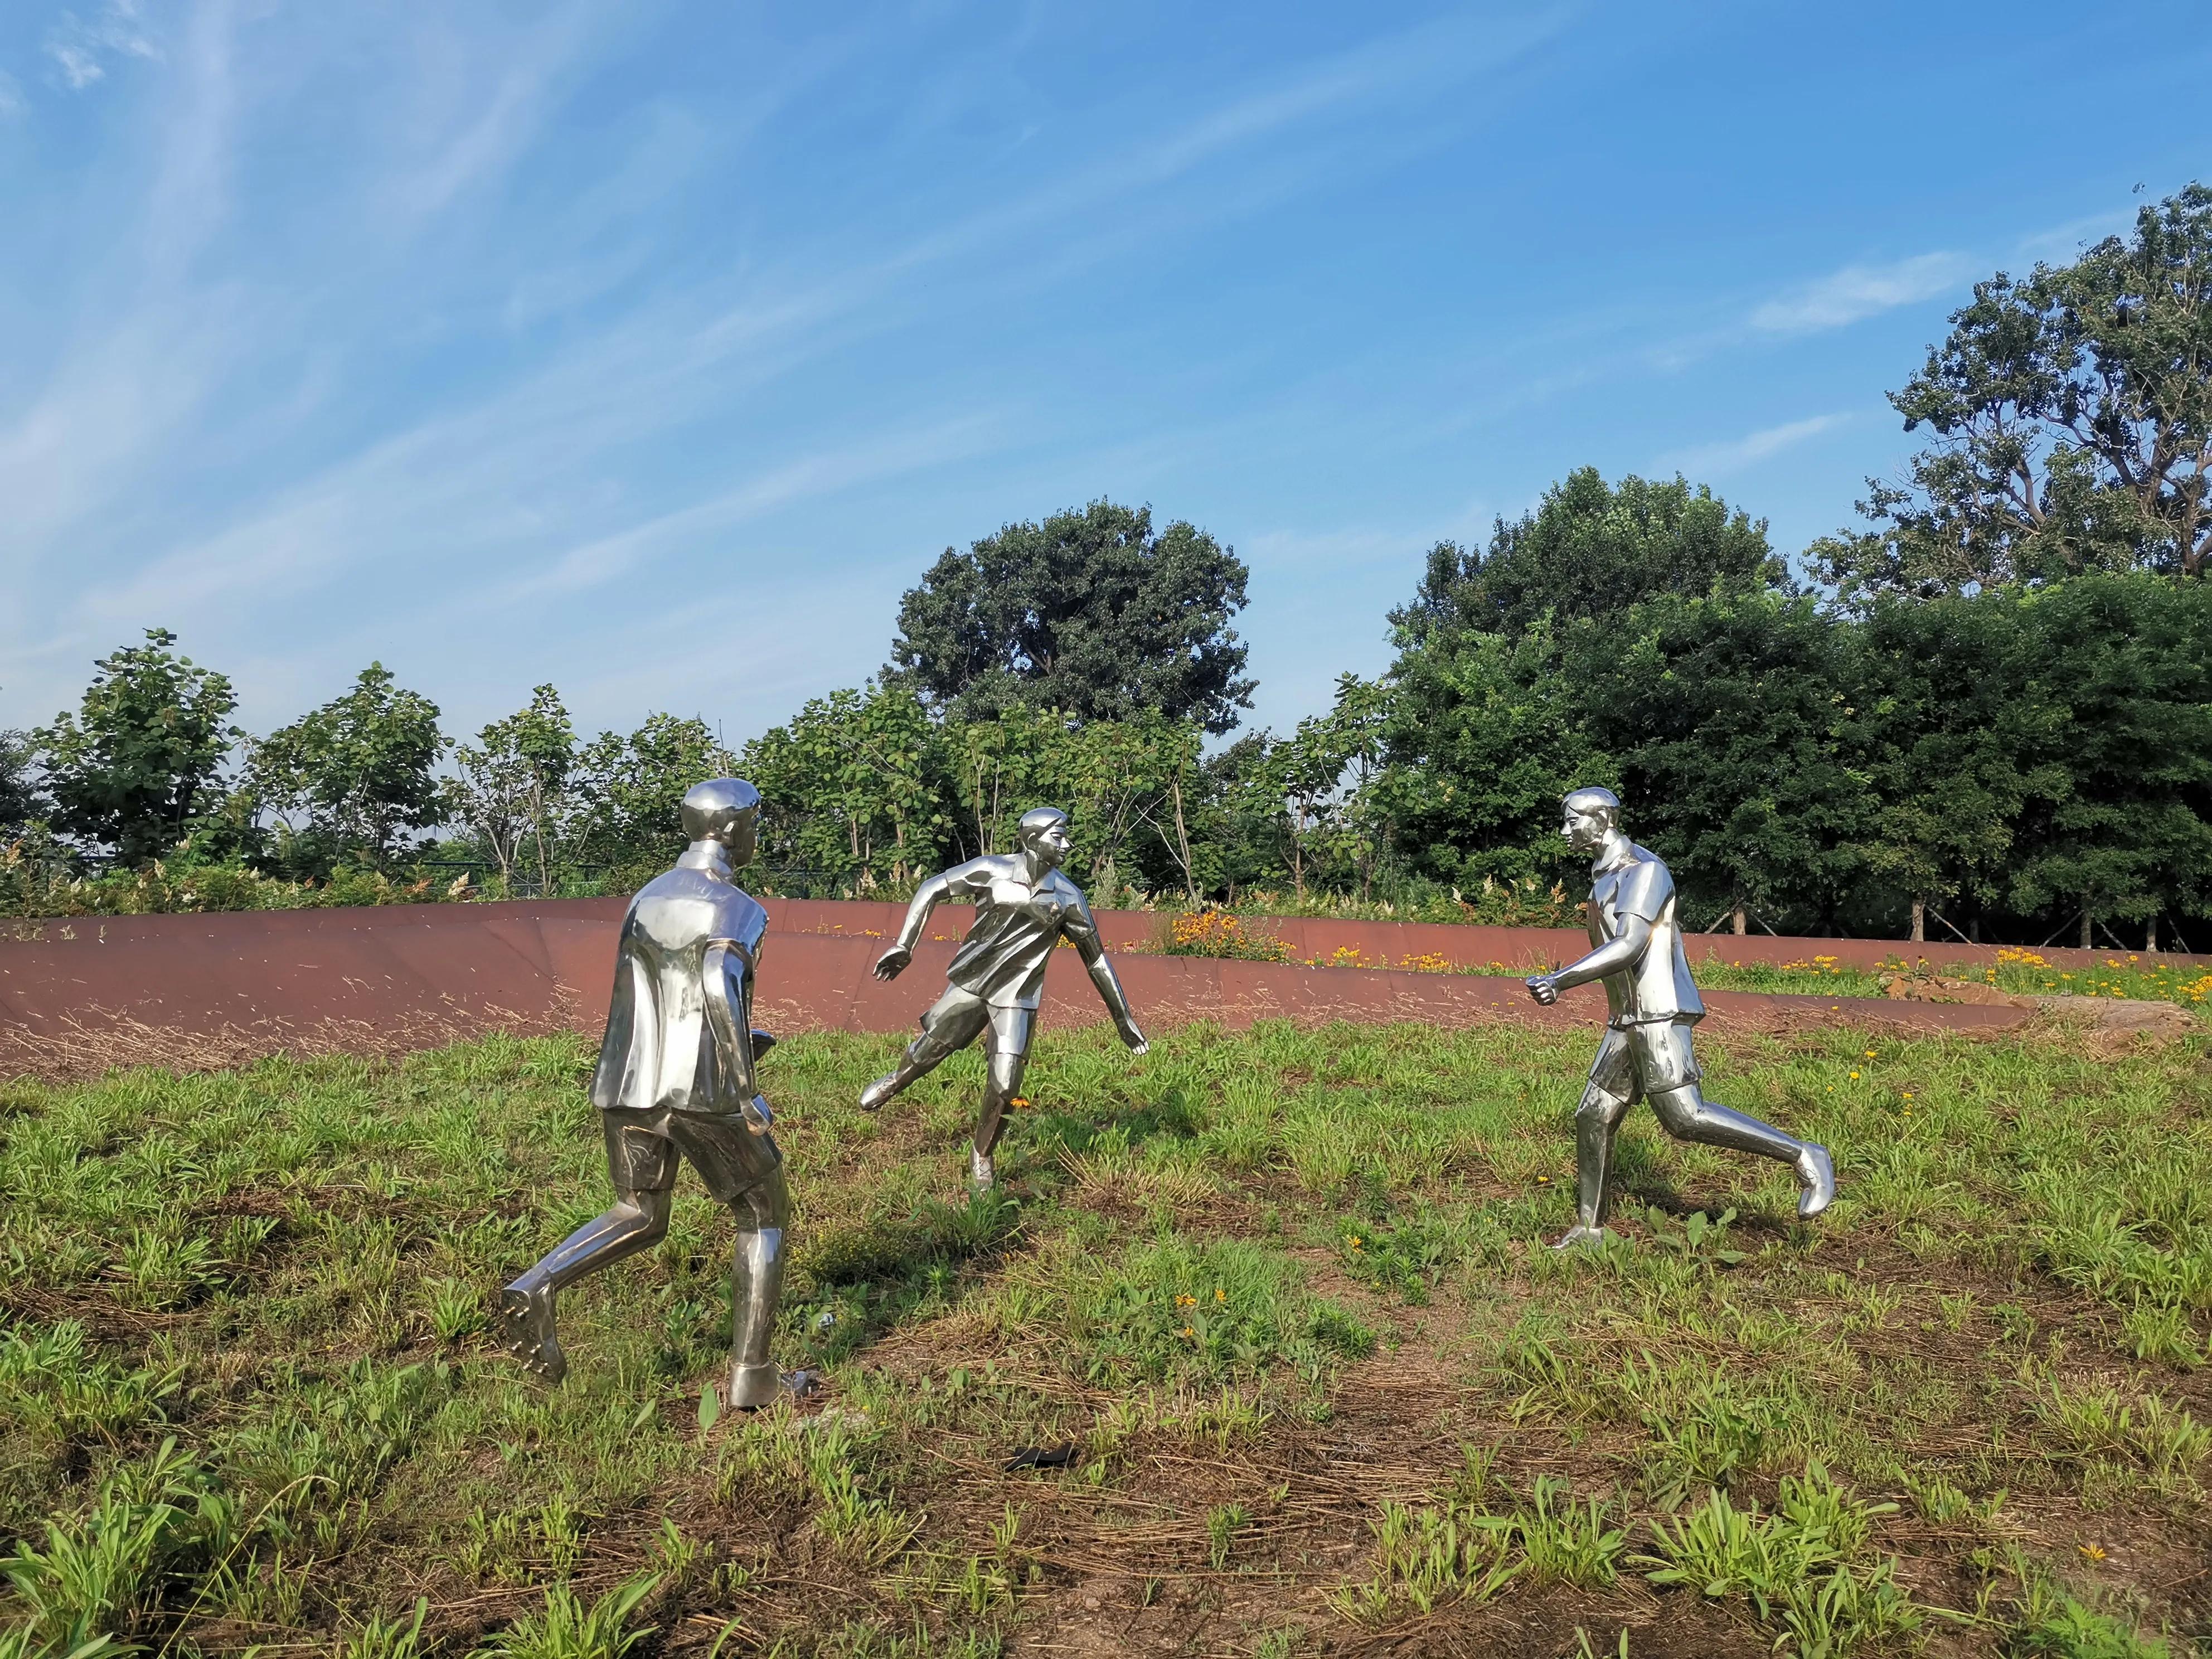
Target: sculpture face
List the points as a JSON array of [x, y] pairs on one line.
[[1585, 828], [1050, 842]]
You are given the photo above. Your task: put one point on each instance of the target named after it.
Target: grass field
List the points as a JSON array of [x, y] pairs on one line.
[[1279, 1302]]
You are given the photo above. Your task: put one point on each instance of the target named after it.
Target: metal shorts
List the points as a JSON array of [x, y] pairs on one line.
[[643, 1145], [958, 1017], [1644, 1059]]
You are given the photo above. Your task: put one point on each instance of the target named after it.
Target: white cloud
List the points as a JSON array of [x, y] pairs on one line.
[[1717, 460], [12, 105], [1859, 291], [79, 48]]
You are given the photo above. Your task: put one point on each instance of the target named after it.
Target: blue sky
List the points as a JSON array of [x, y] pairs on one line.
[[653, 350]]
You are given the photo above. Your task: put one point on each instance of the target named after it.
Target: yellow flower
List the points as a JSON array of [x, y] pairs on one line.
[[1220, 1294], [2092, 1552], [1854, 1077], [1870, 1054], [1187, 1331], [1353, 1239], [1185, 1301], [1908, 1094]]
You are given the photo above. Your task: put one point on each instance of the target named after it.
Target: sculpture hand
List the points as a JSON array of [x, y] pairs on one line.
[[1543, 988], [893, 962], [758, 1118], [1135, 1039]]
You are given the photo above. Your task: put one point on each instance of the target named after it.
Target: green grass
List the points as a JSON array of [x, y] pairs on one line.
[[1281, 1299]]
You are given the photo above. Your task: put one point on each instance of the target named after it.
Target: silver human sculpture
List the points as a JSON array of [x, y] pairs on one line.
[[1024, 908], [1652, 1006], [675, 1080]]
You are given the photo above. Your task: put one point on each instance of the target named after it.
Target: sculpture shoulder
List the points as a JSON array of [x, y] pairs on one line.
[[685, 907], [978, 875], [1067, 892], [1644, 884]]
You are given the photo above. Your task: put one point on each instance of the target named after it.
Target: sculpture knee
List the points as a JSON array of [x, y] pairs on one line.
[[650, 1211], [1599, 1111], [1682, 1112], [764, 1206]]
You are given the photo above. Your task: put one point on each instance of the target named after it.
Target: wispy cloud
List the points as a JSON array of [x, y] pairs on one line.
[[80, 49], [1716, 460], [13, 105], [1858, 291]]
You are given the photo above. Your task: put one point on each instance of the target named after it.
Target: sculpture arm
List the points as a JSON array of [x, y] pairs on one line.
[[1082, 932], [926, 897], [1624, 950], [728, 973]]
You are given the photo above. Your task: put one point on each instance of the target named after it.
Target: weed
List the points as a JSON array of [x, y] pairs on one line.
[[1222, 1521], [567, 1629]]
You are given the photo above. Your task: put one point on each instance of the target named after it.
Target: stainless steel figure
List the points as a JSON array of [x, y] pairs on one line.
[[1024, 908], [675, 1080], [1652, 1005]]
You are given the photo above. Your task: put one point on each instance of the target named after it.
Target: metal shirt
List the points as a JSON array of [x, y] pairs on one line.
[[1002, 959], [660, 1048], [1657, 985]]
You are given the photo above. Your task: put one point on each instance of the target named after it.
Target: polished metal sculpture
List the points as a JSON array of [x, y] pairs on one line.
[[1652, 1005], [1024, 908], [675, 1080]]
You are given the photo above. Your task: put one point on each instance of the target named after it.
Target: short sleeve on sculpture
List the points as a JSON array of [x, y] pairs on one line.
[[1643, 890], [1077, 923]]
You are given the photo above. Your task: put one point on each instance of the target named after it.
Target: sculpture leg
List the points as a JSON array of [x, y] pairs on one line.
[[1596, 1120], [762, 1213], [643, 1166], [1006, 1047], [1686, 1114], [950, 1026]]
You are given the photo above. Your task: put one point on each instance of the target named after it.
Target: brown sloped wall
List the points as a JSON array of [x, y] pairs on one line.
[[77, 995]]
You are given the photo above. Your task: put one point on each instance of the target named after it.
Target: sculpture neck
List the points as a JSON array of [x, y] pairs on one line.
[[1613, 852], [708, 855]]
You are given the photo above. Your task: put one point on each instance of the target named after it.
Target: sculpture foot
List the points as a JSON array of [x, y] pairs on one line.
[[878, 1091], [981, 1176], [1817, 1171], [1580, 1237], [753, 1387], [526, 1331]]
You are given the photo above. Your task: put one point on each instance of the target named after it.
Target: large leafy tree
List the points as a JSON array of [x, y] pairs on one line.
[[1589, 549], [1960, 736], [21, 799], [855, 785], [1092, 613], [1733, 721], [350, 781], [2127, 660], [2070, 415], [134, 767], [511, 784], [625, 794]]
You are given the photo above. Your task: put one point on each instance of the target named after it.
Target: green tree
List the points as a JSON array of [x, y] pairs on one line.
[[2129, 660], [2071, 417], [1734, 721], [134, 768], [1961, 735], [511, 784], [856, 784], [348, 782], [1483, 736], [625, 792], [1589, 549], [1091, 613], [22, 801]]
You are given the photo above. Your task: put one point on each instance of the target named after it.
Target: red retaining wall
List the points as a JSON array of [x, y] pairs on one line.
[[74, 994]]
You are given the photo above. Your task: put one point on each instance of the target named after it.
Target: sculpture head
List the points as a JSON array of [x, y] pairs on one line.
[[724, 809], [1590, 815], [1044, 835]]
